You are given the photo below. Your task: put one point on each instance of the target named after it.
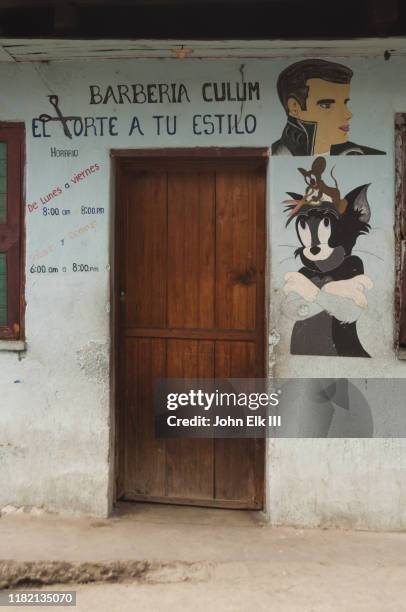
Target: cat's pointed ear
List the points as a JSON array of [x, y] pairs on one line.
[[294, 196], [303, 171], [358, 202]]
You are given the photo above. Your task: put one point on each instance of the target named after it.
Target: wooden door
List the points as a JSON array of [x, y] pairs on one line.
[[190, 288]]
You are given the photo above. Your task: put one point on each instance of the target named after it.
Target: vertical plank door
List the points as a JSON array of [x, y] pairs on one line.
[[190, 252]]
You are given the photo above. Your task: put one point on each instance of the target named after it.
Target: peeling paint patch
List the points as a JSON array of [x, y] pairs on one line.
[[274, 339], [93, 361]]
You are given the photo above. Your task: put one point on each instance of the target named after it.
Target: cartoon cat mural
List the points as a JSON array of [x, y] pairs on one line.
[[327, 295]]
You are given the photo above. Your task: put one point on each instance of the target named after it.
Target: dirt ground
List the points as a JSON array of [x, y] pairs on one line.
[[169, 558]]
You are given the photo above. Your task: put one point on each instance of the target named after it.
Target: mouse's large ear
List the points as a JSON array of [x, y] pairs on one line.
[[318, 166], [358, 202]]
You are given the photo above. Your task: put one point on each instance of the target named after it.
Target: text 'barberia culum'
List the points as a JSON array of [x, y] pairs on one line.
[[173, 93]]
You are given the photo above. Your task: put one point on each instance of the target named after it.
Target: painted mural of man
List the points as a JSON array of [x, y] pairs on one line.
[[315, 95]]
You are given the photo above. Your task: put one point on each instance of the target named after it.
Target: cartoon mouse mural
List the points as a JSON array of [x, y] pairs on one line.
[[327, 295]]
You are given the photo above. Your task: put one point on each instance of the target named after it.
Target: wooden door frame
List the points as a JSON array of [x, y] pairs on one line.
[[119, 156]]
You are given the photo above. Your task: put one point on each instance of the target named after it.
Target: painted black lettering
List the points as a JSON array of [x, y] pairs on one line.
[[112, 126], [158, 123], [173, 87], [139, 96], [253, 88], [209, 125], [77, 127], [195, 124], [35, 126], [241, 92], [230, 96], [219, 97], [183, 93], [135, 125], [89, 123], [123, 92], [151, 92], [110, 94], [101, 121], [237, 127], [95, 96], [220, 123], [171, 130], [250, 123], [205, 94], [164, 91]]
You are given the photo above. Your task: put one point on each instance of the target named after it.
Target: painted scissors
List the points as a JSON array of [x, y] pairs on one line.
[[54, 101]]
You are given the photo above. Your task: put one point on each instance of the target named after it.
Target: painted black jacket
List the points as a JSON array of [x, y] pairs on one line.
[[298, 139], [323, 334]]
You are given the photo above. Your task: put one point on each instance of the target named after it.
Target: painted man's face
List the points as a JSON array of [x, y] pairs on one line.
[[326, 105]]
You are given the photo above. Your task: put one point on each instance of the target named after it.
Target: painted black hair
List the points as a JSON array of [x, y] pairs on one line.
[[292, 81]]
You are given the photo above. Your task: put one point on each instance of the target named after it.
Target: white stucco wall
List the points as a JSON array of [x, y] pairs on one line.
[[55, 409]]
